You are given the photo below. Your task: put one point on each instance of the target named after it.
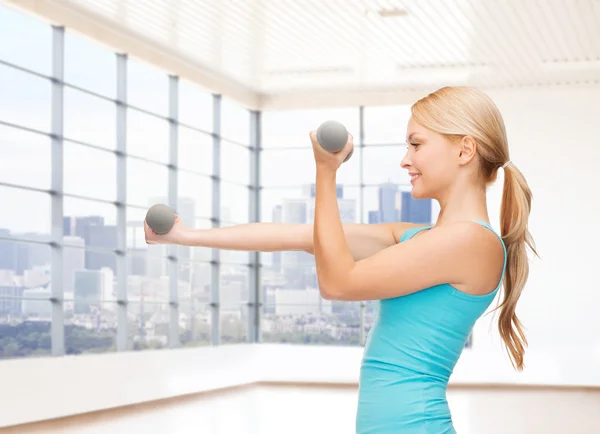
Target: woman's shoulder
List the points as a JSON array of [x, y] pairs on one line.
[[482, 255]]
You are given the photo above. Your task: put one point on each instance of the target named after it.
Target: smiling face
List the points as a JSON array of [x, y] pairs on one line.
[[432, 160]]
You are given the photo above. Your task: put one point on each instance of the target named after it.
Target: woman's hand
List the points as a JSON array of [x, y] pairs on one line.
[[330, 161], [175, 236]]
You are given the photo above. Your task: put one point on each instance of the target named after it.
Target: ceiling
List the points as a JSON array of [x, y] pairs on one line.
[[272, 54]]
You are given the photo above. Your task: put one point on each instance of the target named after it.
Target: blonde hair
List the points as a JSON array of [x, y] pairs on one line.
[[460, 111]]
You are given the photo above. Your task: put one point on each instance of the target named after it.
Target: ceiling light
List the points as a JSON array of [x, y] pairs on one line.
[[393, 12]]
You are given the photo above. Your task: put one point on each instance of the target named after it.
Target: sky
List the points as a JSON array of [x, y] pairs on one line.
[[286, 164]]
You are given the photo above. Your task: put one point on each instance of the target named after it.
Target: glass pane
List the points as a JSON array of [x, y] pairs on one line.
[[23, 265], [147, 87], [94, 222], [25, 40], [26, 158], [296, 268], [147, 136], [392, 203], [304, 317], [297, 205], [235, 162], [195, 196], [195, 151], [89, 172], [381, 164], [197, 280], [292, 127], [235, 122], [90, 119], [148, 274], [90, 328], [386, 124], [25, 99], [29, 214], [25, 325], [194, 323], [233, 297], [195, 106], [148, 325], [90, 65], [135, 228], [147, 183], [95, 281], [283, 167], [235, 203]]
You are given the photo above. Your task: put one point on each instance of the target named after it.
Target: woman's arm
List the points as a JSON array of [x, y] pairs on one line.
[[364, 240]]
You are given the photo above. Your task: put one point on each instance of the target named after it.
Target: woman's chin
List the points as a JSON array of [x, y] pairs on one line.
[[417, 193]]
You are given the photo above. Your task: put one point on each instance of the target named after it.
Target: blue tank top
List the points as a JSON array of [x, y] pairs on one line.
[[410, 353]]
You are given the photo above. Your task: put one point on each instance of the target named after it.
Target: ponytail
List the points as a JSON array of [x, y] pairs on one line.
[[514, 216], [456, 111]]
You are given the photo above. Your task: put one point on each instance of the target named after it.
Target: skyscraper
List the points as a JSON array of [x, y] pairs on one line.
[[415, 210], [299, 267], [396, 205]]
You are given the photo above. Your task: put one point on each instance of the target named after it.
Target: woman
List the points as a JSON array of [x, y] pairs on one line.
[[432, 281]]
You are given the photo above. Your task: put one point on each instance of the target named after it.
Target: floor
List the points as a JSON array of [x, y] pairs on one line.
[[270, 409]]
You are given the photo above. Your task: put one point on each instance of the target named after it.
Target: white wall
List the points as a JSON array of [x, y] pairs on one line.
[[553, 138]]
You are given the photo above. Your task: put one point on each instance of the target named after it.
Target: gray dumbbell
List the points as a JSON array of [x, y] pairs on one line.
[[160, 218], [333, 136]]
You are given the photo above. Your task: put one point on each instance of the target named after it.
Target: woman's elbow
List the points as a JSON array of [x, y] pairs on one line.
[[330, 292]]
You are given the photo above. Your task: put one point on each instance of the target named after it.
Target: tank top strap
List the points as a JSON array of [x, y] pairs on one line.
[[411, 232], [488, 226]]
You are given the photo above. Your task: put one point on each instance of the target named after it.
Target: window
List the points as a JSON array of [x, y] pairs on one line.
[[90, 221], [25, 99], [147, 136], [233, 303], [147, 87], [195, 106], [26, 158], [29, 215], [194, 319], [25, 41], [89, 172], [147, 183], [195, 151], [292, 127], [235, 122], [386, 124], [292, 167], [195, 196], [235, 162], [382, 164], [235, 203], [389, 202], [90, 65], [90, 119]]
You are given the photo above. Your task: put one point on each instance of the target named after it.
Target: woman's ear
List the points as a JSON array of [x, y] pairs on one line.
[[467, 148]]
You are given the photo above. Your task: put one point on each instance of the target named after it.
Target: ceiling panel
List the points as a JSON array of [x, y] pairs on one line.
[[278, 48]]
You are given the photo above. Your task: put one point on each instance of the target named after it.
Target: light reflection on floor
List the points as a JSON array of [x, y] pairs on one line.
[[268, 409]]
